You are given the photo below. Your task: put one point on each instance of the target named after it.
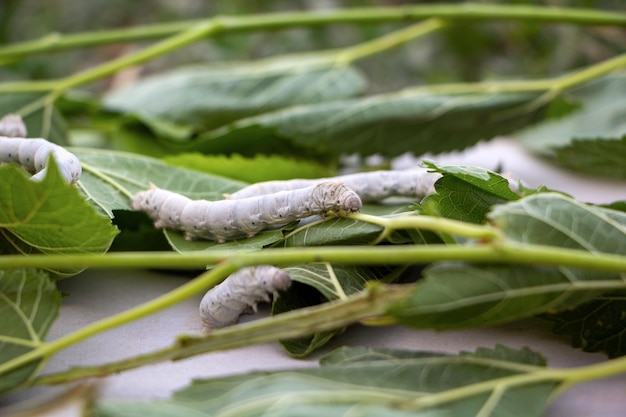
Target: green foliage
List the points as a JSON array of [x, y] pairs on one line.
[[48, 217], [395, 383], [491, 254], [29, 303], [603, 157], [595, 326], [256, 169], [456, 295], [467, 193], [206, 97]]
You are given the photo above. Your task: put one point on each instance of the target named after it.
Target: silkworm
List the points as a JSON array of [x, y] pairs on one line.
[[230, 219], [370, 186], [223, 304], [33, 154], [12, 126]]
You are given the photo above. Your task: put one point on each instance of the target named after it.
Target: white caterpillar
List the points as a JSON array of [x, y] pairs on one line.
[[12, 126], [33, 154], [230, 219], [370, 186], [223, 304]]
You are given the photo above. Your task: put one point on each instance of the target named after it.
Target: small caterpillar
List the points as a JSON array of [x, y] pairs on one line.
[[230, 219], [33, 154], [12, 126], [370, 186], [223, 304]]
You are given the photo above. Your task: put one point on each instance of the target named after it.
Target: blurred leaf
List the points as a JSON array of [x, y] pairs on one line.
[[389, 124], [48, 216], [207, 97], [402, 386], [595, 326], [36, 121], [604, 157], [466, 193], [329, 283], [29, 303], [454, 295], [256, 169], [110, 178], [602, 115]]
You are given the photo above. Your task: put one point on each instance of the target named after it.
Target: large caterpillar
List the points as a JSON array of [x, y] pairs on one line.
[[230, 219], [33, 154], [223, 304], [370, 186]]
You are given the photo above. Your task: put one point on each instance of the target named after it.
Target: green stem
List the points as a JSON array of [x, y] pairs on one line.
[[356, 255], [389, 41], [229, 24], [296, 323]]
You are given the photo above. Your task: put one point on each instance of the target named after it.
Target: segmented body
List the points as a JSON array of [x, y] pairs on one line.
[[230, 219], [33, 154], [370, 186], [223, 304]]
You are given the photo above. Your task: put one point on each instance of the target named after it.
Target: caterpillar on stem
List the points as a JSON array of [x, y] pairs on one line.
[[231, 219], [33, 154], [222, 305]]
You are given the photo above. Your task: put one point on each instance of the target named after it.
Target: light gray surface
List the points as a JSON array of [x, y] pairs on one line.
[[96, 294]]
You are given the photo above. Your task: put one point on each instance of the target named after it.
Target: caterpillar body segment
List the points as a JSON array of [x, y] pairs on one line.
[[230, 219], [223, 304], [33, 154], [370, 186]]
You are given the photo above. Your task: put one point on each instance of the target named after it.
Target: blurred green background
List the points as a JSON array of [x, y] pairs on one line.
[[466, 53]]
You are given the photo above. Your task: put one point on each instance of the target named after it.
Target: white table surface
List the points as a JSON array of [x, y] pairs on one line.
[[96, 294]]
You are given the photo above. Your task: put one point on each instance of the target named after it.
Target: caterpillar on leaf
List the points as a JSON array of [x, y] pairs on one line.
[[231, 219]]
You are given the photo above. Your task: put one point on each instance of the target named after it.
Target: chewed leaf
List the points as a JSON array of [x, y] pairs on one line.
[[389, 124], [206, 96], [29, 303], [405, 384]]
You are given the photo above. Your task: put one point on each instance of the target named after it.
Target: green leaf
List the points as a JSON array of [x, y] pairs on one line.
[[601, 116], [256, 169], [178, 242], [329, 283], [29, 303], [596, 326], [48, 216], [110, 179], [466, 193], [206, 97], [455, 295], [405, 385], [389, 124], [603, 157], [343, 231], [44, 123]]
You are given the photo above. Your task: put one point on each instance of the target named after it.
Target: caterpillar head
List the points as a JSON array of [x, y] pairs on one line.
[[336, 196]]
